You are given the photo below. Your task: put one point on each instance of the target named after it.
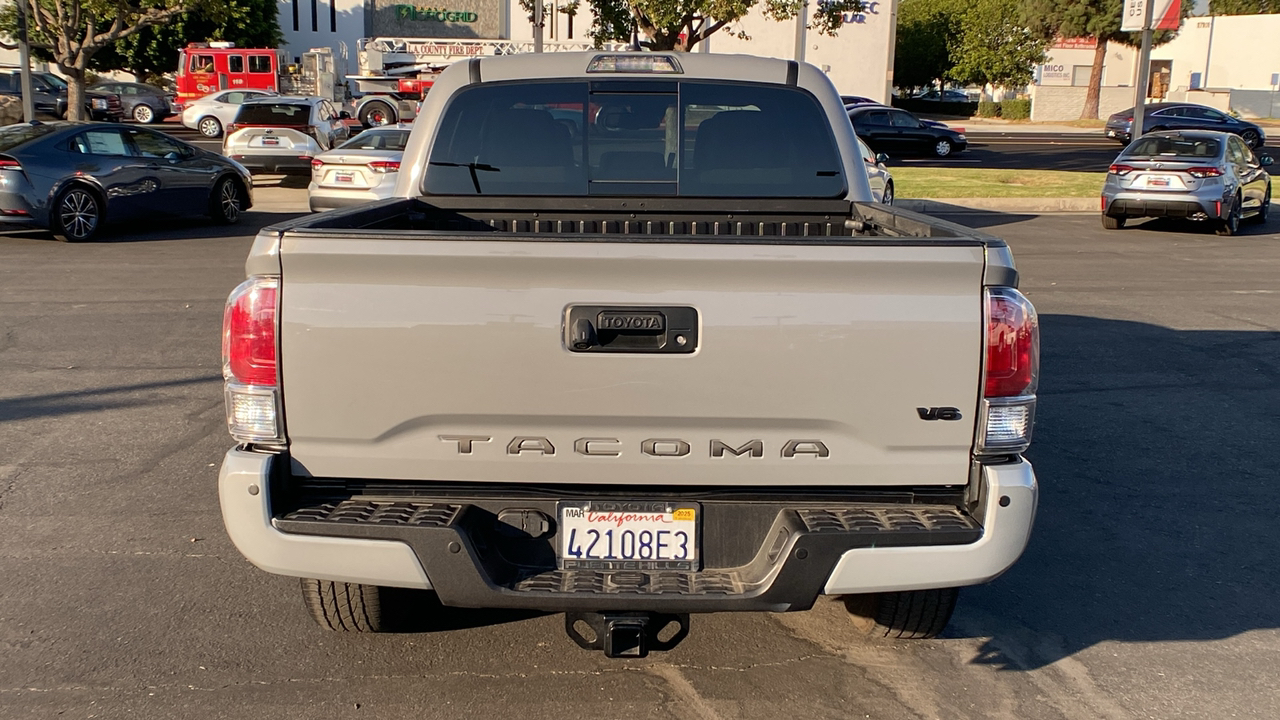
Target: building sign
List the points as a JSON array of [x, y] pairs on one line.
[[438, 19], [1083, 43], [860, 18], [410, 12], [1055, 74], [1165, 15]]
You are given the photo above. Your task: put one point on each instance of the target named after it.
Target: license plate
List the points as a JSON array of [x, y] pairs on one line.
[[270, 141], [1159, 181], [643, 535], [1111, 133], [344, 177]]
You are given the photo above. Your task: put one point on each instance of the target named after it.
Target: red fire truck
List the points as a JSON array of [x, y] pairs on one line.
[[204, 68]]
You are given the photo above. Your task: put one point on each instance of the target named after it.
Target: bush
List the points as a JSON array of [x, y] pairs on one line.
[[988, 109], [1015, 109]]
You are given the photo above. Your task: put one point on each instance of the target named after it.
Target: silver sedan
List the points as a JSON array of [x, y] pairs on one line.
[[360, 170], [1194, 174], [878, 175], [211, 113]]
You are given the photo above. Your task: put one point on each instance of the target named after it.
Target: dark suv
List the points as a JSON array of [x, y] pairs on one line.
[[49, 95]]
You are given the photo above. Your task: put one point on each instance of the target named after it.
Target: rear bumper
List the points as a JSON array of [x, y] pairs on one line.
[[321, 199], [792, 554], [275, 164], [1175, 206], [1119, 134]]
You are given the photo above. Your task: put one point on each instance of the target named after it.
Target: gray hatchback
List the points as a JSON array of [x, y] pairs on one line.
[[1199, 175]]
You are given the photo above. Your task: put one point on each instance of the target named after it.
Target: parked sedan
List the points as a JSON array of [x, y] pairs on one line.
[[898, 132], [942, 96], [1183, 116], [211, 113], [1195, 174], [144, 103], [360, 170], [72, 177], [877, 174]]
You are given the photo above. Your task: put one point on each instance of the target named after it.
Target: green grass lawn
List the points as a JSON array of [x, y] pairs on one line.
[[935, 182]]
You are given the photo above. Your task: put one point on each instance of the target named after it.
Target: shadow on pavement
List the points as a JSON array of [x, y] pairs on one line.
[[977, 219], [1155, 451], [73, 402]]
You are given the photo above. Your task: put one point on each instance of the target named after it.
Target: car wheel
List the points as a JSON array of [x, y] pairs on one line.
[[77, 214], [1112, 223], [144, 114], [226, 202], [376, 114], [1250, 138], [943, 148], [887, 196], [914, 615], [210, 126], [1263, 212], [1230, 225]]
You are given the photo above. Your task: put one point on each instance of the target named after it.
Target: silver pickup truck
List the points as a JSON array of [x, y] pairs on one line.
[[630, 343]]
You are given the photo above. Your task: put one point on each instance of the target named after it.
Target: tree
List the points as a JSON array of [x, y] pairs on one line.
[[927, 31], [1097, 19], [154, 50], [1243, 7], [71, 32], [680, 24], [994, 46]]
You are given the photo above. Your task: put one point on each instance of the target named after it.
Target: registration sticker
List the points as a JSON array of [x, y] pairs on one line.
[[640, 535]]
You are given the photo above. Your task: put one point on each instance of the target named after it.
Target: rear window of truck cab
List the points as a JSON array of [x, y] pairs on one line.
[[634, 137]]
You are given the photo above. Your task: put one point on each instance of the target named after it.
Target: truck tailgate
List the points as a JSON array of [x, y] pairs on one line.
[[409, 358]]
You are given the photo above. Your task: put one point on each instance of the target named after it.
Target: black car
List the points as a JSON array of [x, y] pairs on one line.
[[898, 132], [72, 177], [144, 103], [858, 100], [49, 96], [1184, 116]]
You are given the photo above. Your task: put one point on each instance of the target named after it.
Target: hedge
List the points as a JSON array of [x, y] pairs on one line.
[[1015, 109], [988, 109]]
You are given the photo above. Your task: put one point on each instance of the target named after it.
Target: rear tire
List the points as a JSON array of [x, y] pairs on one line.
[[344, 607], [887, 196], [911, 615], [210, 127], [76, 215], [377, 113], [144, 114], [1112, 223], [226, 202]]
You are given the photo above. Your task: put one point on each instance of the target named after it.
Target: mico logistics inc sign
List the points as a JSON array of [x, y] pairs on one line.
[[410, 12]]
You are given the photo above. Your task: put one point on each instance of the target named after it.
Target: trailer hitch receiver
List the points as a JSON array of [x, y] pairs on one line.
[[626, 634]]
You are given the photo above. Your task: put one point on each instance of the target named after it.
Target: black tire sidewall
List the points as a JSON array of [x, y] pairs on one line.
[[377, 105], [215, 202]]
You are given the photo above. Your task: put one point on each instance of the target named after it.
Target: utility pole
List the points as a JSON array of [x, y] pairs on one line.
[[802, 13], [24, 58], [1144, 72], [538, 26]]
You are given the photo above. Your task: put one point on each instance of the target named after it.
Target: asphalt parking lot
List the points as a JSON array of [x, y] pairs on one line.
[[1148, 590]]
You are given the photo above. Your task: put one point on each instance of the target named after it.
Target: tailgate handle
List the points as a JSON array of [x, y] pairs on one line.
[[614, 329]]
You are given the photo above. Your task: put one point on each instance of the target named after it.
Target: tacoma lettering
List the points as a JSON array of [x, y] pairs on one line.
[[652, 447]]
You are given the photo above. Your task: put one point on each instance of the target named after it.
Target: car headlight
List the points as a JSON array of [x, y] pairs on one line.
[[99, 104]]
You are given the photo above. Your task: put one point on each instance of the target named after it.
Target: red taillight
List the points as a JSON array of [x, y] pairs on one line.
[[249, 332], [1120, 169], [385, 166], [1204, 172], [232, 127], [1013, 345], [9, 162], [317, 163], [15, 211]]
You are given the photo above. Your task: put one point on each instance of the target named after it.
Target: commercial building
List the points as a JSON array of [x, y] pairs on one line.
[[859, 58], [1228, 61]]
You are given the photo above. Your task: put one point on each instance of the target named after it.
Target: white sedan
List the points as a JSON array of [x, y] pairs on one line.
[[211, 113]]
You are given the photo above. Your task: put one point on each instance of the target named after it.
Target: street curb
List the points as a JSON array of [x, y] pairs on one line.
[[1008, 205]]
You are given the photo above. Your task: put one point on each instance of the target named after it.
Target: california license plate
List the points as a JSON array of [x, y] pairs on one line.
[[1159, 181], [641, 535], [344, 177], [270, 141]]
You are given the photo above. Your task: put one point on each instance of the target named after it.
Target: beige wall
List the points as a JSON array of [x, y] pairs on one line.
[[1060, 103]]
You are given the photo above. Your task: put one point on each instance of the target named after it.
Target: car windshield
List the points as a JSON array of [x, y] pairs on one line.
[[54, 80], [1174, 147], [692, 139], [377, 140], [273, 114], [14, 135]]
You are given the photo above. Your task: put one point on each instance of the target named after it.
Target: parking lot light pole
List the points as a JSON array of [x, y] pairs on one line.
[[1144, 72], [24, 60], [537, 26], [801, 12]]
